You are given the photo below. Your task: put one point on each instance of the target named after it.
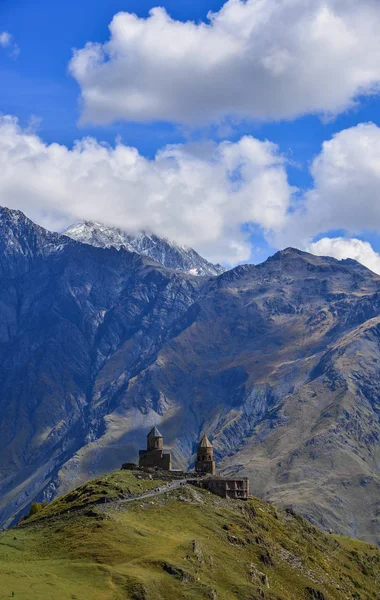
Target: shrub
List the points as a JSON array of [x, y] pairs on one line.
[[35, 508]]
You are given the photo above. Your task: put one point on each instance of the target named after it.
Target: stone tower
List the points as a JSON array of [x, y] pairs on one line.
[[153, 457], [205, 463], [155, 440]]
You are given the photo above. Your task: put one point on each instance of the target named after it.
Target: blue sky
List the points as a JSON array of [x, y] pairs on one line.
[[37, 83], [36, 86]]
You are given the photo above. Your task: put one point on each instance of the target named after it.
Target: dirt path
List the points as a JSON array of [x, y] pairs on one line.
[[162, 489]]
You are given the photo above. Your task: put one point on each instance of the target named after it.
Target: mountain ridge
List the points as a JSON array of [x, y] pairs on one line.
[[166, 252]]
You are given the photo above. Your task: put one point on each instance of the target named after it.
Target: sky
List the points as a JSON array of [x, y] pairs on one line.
[[238, 128]]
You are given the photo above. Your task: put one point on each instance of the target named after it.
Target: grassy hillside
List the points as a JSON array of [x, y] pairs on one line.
[[180, 545]]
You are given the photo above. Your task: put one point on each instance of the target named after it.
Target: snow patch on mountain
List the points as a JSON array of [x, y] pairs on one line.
[[164, 251]]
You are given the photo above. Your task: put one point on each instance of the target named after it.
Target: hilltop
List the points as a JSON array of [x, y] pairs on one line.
[[183, 544]]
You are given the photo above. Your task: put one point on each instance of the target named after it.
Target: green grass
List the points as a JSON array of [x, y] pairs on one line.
[[184, 545], [114, 486]]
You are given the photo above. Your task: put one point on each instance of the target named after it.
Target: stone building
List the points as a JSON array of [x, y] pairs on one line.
[[205, 463], [236, 489], [154, 455]]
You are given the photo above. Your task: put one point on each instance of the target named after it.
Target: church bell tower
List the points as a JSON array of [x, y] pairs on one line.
[[205, 463]]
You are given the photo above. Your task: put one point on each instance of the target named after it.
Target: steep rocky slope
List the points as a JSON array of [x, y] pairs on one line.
[[178, 545], [166, 252], [278, 363], [67, 308]]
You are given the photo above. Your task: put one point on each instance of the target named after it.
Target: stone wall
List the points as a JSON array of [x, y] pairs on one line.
[[155, 458], [236, 489]]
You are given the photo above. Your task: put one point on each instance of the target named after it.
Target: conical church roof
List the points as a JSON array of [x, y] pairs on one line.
[[155, 433], [205, 442]]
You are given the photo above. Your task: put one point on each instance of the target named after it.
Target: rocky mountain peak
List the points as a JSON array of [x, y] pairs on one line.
[[15, 223], [11, 214], [20, 237], [164, 251], [297, 262], [291, 254]]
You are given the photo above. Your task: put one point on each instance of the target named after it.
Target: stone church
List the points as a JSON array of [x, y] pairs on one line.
[[154, 455]]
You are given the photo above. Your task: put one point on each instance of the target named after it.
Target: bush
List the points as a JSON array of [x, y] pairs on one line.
[[35, 508]]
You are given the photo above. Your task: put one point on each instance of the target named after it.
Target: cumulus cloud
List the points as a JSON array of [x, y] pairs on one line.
[[203, 195], [199, 195], [346, 188], [341, 248], [262, 59], [6, 41], [345, 196]]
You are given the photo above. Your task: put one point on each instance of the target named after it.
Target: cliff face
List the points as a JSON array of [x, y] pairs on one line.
[[278, 363], [68, 309]]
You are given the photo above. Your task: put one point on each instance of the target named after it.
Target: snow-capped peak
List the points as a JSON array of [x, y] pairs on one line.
[[162, 250]]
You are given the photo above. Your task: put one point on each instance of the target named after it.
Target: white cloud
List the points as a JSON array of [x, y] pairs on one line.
[[345, 196], [265, 59], [341, 248], [6, 41], [346, 189], [199, 195]]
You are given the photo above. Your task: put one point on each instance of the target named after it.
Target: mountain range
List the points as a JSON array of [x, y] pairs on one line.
[[278, 363]]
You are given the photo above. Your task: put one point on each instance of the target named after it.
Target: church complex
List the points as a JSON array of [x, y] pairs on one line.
[[154, 457]]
